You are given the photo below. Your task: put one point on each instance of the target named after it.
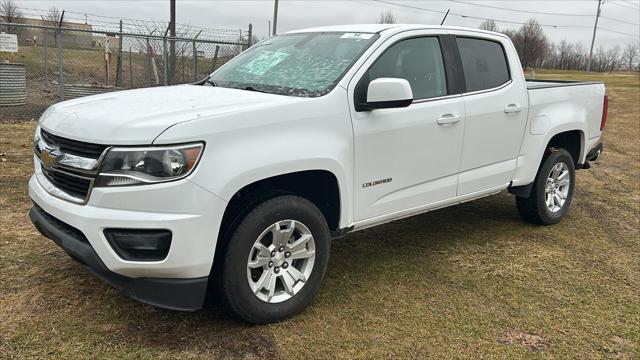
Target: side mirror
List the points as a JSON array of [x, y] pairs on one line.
[[387, 93]]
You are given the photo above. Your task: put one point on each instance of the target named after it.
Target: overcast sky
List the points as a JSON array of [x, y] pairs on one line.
[[621, 16]]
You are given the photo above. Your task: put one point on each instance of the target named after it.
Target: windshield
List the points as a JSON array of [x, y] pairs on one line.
[[305, 64]]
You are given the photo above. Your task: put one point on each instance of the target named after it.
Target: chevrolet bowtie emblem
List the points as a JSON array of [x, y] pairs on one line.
[[50, 157]]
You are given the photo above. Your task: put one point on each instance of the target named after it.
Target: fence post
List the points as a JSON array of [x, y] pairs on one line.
[[60, 58], [250, 34], [60, 63], [165, 56], [164, 60], [46, 57], [130, 70], [148, 64], [119, 68], [182, 64], [194, 63], [215, 58]]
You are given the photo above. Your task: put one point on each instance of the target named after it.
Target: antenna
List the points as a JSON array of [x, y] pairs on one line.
[[445, 17]]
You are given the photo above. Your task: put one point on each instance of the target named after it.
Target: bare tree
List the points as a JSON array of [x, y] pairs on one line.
[[10, 13], [52, 19], [158, 29], [599, 60], [613, 59], [387, 17], [510, 33], [559, 54], [630, 54], [489, 25], [531, 44]]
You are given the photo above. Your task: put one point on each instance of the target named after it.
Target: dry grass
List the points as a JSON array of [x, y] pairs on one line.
[[85, 66], [468, 281]]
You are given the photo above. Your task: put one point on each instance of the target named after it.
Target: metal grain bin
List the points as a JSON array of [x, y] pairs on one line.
[[79, 90], [13, 84]]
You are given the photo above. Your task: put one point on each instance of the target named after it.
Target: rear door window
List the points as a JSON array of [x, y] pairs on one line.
[[484, 63]]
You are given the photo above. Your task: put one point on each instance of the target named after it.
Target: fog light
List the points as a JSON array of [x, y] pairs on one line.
[[139, 244]]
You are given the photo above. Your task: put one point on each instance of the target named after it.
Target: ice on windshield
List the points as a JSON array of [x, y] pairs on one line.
[[295, 64], [263, 62]]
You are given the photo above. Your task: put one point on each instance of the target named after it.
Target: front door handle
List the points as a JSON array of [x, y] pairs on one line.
[[512, 108], [447, 119]]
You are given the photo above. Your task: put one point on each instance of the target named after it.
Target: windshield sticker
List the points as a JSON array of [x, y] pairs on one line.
[[356, 36], [263, 62]]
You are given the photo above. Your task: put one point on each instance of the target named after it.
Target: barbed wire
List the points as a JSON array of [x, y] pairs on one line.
[[137, 26]]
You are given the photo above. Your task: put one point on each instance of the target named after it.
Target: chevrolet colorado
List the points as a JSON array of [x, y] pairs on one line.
[[238, 183]]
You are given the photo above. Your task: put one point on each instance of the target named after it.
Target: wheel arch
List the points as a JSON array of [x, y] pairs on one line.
[[572, 140], [535, 149], [320, 186]]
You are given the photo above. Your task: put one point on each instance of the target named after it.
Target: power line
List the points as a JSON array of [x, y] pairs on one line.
[[632, 3], [623, 5], [618, 20], [478, 17], [409, 6], [520, 11], [618, 32], [494, 19]]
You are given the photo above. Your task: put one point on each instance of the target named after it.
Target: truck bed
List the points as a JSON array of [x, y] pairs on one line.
[[533, 84], [580, 103]]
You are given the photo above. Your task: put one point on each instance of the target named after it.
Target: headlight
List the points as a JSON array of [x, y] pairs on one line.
[[125, 166]]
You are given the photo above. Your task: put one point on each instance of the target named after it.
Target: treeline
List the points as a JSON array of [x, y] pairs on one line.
[[536, 51]]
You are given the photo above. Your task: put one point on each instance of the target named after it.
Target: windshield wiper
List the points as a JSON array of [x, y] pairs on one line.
[[211, 82], [251, 88]]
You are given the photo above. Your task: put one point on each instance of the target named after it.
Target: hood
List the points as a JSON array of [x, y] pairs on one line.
[[136, 117]]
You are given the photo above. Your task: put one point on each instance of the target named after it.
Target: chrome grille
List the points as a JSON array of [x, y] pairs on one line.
[[74, 147], [68, 167], [73, 185]]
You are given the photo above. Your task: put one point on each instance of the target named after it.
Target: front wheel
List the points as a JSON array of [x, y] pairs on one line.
[[275, 260], [552, 190]]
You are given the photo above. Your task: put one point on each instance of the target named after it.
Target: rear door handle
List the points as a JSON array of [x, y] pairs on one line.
[[512, 108], [448, 119]]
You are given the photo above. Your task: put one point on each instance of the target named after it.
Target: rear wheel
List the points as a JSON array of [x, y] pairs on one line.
[[275, 260], [552, 190]]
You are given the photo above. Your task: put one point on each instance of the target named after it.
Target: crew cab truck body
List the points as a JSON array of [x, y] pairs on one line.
[[239, 182]]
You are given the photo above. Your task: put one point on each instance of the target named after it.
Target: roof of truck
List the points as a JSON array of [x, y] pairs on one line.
[[377, 28]]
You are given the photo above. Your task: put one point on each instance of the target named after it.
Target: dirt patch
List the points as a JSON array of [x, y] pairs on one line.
[[619, 346], [532, 342]]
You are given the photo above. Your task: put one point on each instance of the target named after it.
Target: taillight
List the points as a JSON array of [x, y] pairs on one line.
[[605, 109]]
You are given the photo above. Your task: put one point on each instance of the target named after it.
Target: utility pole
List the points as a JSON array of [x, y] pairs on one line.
[[269, 33], [593, 39], [275, 16], [172, 34]]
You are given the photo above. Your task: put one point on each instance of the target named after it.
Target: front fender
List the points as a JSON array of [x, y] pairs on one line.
[[245, 147]]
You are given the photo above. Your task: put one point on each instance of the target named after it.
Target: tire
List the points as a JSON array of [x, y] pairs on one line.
[[270, 224], [535, 208]]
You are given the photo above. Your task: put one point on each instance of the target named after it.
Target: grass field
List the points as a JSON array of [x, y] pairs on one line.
[[468, 281]]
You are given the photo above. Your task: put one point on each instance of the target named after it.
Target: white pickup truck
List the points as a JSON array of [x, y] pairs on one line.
[[238, 183]]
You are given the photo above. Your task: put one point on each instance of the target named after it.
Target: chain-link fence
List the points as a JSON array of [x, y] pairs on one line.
[[63, 63]]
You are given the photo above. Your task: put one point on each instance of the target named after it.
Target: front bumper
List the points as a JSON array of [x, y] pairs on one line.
[[192, 214], [176, 294]]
